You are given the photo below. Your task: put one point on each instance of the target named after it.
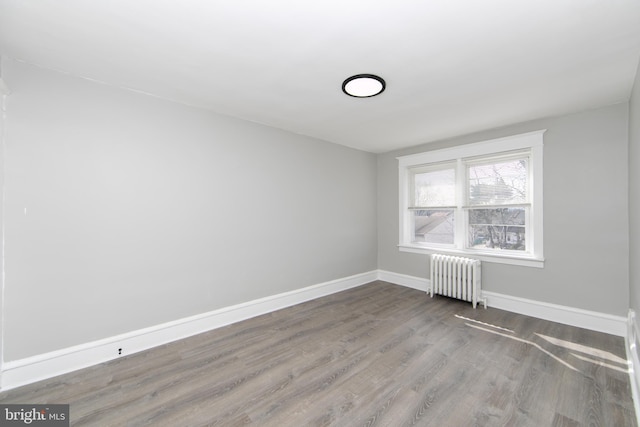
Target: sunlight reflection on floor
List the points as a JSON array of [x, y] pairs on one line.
[[548, 353], [483, 323], [584, 349], [589, 354], [601, 363]]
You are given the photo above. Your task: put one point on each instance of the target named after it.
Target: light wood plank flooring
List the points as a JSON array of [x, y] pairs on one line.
[[377, 355]]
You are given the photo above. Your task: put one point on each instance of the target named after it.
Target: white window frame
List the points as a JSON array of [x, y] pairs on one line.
[[531, 142]]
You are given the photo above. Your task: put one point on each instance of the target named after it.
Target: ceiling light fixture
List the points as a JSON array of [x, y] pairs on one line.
[[363, 85]]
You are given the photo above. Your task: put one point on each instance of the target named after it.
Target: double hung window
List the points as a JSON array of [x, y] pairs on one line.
[[481, 199]]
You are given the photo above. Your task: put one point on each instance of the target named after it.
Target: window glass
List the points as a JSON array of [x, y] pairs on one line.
[[499, 228], [481, 200], [435, 188], [433, 226], [498, 183]]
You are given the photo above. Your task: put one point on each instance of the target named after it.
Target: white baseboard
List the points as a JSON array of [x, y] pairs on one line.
[[593, 320], [25, 371], [632, 339], [404, 280], [601, 322], [28, 370]]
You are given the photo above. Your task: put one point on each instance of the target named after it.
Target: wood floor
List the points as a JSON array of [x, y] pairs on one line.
[[377, 355]]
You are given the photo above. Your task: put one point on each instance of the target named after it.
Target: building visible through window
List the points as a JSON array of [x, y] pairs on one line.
[[483, 199]]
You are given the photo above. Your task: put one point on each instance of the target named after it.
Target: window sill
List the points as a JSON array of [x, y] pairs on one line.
[[525, 261]]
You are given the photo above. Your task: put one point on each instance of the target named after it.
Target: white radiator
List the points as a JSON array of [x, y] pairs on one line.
[[457, 277]]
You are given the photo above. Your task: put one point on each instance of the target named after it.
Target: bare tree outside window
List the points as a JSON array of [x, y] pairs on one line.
[[483, 200], [501, 228], [494, 189]]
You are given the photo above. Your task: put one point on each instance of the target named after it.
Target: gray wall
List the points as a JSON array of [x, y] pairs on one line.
[[2, 126], [123, 211], [585, 214], [634, 196], [141, 211]]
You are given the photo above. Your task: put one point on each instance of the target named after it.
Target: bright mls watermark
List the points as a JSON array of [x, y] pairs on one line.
[[34, 415]]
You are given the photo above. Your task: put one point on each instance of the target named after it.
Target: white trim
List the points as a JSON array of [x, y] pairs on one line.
[[615, 325], [496, 258], [42, 366], [536, 175], [404, 280], [507, 143], [39, 367], [533, 142], [587, 319], [631, 344], [593, 320], [3, 137]]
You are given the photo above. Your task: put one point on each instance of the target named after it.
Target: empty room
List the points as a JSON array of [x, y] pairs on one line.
[[296, 213]]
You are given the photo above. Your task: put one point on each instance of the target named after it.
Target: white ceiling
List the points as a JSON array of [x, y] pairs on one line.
[[451, 66]]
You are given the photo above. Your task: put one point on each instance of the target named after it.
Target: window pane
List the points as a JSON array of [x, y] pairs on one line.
[[433, 226], [498, 183], [435, 188], [502, 228]]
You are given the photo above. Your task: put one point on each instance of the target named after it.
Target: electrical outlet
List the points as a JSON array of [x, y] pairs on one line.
[[120, 351]]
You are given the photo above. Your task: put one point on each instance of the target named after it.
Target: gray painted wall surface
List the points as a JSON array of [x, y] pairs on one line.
[[634, 196], [141, 211], [2, 125], [585, 214], [125, 211]]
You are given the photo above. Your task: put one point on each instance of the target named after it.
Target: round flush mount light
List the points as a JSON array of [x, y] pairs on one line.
[[363, 85]]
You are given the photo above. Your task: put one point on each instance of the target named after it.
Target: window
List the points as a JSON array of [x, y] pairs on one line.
[[482, 200], [433, 205]]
